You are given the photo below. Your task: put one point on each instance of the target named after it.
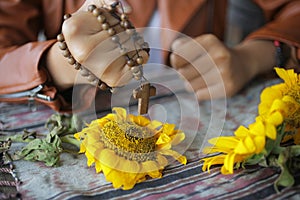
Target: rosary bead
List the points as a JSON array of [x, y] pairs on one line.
[[62, 45], [97, 12], [140, 60], [60, 37], [115, 39], [101, 19], [91, 78], [111, 31], [71, 60], [130, 63], [102, 86], [84, 72], [77, 66], [135, 69], [126, 24], [130, 31], [67, 16], [123, 17], [66, 53], [91, 8], [105, 26]]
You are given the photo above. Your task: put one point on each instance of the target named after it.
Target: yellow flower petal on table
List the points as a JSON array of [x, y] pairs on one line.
[[228, 164], [290, 78], [151, 168], [127, 149], [270, 131], [257, 128], [245, 146], [224, 142], [215, 160], [259, 142], [140, 120], [275, 118]]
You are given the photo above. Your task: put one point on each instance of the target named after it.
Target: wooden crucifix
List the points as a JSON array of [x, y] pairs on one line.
[[143, 93]]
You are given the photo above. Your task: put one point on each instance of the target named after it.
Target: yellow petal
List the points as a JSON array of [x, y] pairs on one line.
[[289, 77], [259, 143], [154, 125], [168, 128], [139, 120], [227, 142], [162, 161], [241, 132], [215, 160], [151, 168], [121, 113], [108, 158], [90, 158], [163, 139], [275, 118], [229, 162], [257, 128], [178, 138], [270, 131], [174, 154], [98, 166]]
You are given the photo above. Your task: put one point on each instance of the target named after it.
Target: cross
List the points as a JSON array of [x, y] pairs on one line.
[[143, 94]]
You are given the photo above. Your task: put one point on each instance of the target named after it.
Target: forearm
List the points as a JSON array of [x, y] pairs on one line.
[[63, 74], [256, 56]]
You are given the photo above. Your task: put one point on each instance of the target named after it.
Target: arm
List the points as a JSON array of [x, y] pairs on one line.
[[215, 71]]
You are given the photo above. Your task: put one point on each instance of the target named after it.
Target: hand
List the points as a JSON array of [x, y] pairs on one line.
[[92, 46], [213, 71]]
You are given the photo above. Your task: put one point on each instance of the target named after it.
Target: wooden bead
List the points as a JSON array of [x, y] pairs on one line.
[[66, 53], [101, 18], [140, 60], [103, 86], [105, 26], [91, 78], [115, 39], [71, 60], [62, 45], [97, 12], [91, 8], [67, 16], [126, 24], [60, 37], [84, 72], [130, 31], [111, 31], [123, 17], [135, 69], [77, 66], [130, 63]]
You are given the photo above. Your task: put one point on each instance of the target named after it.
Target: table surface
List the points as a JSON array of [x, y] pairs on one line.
[[72, 179]]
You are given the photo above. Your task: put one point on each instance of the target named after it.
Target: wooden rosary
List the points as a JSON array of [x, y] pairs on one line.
[[145, 90]]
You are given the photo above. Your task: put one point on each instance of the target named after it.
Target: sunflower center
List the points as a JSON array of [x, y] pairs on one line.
[[129, 140]]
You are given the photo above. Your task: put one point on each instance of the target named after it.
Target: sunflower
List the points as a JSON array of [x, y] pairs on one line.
[[128, 148], [280, 104]]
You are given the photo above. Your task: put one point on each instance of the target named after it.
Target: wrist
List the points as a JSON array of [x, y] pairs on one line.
[[257, 56], [63, 76]]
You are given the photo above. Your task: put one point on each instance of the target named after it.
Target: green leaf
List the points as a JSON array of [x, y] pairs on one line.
[[42, 150]]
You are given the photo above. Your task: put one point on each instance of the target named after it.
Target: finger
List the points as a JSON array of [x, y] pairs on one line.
[[213, 92], [199, 67], [208, 79], [185, 50]]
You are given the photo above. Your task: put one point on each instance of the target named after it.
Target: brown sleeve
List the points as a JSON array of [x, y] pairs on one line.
[[283, 17], [21, 55]]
